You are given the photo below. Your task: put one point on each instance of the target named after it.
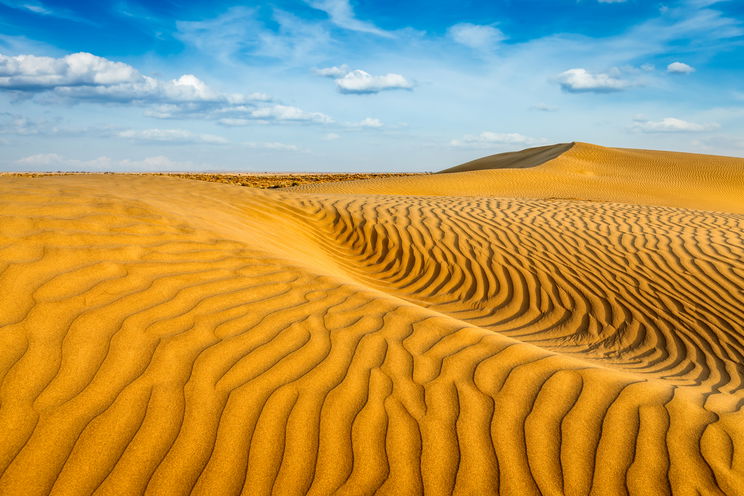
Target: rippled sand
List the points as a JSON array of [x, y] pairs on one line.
[[477, 332]]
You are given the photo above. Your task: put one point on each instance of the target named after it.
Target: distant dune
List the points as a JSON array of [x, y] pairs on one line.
[[563, 320], [531, 157], [580, 172]]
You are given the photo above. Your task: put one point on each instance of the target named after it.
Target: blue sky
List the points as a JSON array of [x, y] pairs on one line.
[[360, 85]]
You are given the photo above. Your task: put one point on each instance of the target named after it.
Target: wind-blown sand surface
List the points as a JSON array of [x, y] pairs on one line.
[[500, 335]]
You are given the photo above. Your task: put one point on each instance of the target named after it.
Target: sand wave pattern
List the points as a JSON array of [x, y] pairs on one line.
[[164, 336]]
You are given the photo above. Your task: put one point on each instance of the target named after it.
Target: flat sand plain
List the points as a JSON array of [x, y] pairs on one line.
[[573, 326]]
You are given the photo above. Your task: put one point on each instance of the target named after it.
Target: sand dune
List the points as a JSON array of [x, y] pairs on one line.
[[168, 336], [583, 172]]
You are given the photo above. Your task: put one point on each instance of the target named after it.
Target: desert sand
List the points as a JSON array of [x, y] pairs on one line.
[[565, 321]]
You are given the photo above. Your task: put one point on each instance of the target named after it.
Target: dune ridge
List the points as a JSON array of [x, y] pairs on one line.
[[167, 336]]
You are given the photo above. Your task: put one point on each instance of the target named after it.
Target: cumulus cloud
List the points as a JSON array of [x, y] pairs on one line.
[[333, 72], [342, 15], [671, 125], [170, 136], [680, 68], [361, 82], [476, 36], [582, 81], [29, 72], [86, 77], [53, 161], [488, 139]]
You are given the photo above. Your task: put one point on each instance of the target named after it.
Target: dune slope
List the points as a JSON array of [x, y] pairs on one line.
[[167, 336], [531, 157]]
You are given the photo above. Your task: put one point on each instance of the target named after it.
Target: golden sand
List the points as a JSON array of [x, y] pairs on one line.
[[462, 333]]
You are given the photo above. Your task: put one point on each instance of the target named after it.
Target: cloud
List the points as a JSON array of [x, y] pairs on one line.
[[680, 68], [488, 139], [368, 122], [86, 76], [244, 116], [273, 145], [342, 15], [333, 72], [582, 81], [53, 161], [671, 125], [31, 73], [238, 34], [611, 1], [83, 77], [476, 36], [288, 113], [361, 82], [331, 137], [170, 136]]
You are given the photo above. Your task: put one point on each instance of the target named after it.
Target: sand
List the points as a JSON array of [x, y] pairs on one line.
[[459, 333]]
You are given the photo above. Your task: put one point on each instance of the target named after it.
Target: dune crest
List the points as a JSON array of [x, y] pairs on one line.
[[167, 336]]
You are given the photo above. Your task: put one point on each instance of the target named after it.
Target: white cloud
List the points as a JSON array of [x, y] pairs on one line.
[[476, 35], [611, 1], [273, 145], [333, 72], [361, 82], [670, 125], [53, 161], [680, 68], [581, 80], [170, 136], [342, 15], [368, 122], [86, 77], [288, 113], [331, 137], [231, 122], [488, 139], [31, 72]]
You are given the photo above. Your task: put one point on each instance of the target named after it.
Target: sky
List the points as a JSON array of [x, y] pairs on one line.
[[360, 85]]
